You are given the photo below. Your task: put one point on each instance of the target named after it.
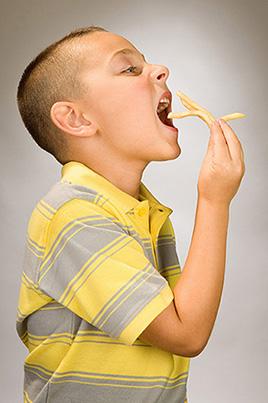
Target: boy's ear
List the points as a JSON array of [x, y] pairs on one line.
[[67, 117]]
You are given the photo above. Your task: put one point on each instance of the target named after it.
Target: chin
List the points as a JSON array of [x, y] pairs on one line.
[[169, 153]]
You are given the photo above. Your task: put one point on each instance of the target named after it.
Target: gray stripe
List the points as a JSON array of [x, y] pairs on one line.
[[21, 327], [63, 191], [112, 391], [36, 387], [77, 251], [44, 323], [61, 320], [70, 229], [167, 255], [52, 304], [31, 264], [149, 254]]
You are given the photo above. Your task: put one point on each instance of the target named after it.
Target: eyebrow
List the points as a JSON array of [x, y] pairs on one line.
[[127, 51]]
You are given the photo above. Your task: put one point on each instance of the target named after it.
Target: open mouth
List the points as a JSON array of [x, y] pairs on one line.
[[163, 109]]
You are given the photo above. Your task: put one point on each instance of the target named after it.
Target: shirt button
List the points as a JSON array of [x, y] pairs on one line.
[[141, 211]]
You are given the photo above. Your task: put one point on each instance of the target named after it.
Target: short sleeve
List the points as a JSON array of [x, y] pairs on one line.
[[97, 270]]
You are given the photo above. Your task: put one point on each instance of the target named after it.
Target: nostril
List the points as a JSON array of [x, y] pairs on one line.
[[160, 76], [159, 72], [164, 73]]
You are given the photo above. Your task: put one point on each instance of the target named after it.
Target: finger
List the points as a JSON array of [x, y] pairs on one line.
[[221, 149], [233, 142]]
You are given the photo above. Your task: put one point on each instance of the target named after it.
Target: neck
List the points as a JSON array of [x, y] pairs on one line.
[[125, 177]]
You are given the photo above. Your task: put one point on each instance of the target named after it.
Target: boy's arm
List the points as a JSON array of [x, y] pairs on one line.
[[198, 292]]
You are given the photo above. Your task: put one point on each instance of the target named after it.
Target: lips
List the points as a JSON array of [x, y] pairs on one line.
[[166, 94]]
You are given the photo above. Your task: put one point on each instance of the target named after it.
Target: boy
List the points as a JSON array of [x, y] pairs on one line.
[[104, 308]]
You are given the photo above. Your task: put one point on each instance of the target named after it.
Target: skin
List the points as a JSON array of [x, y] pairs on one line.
[[114, 128]]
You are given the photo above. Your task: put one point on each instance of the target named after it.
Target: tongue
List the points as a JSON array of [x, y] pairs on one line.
[[163, 117]]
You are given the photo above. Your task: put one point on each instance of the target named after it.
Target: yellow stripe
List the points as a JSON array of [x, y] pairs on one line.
[[26, 398], [52, 308], [55, 335]]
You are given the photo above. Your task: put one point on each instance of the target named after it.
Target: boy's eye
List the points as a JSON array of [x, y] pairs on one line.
[[131, 69]]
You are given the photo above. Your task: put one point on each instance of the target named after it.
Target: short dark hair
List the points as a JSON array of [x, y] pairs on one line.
[[48, 78]]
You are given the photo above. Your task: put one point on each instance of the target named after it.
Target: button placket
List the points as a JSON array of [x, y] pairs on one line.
[[142, 215]]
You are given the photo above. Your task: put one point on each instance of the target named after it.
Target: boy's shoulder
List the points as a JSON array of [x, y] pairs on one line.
[[65, 199], [62, 196]]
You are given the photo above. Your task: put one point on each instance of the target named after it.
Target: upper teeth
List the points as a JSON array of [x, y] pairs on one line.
[[163, 104]]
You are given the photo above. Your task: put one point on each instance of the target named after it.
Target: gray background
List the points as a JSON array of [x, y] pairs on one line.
[[216, 52]]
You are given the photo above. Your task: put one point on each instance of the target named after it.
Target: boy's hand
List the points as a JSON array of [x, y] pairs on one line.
[[223, 166]]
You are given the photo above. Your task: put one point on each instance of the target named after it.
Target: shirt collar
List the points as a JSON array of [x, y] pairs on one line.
[[78, 173]]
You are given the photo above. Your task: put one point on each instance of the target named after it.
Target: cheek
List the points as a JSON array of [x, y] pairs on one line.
[[128, 106]]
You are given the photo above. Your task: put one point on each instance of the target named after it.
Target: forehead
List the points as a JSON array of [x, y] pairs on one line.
[[98, 48]]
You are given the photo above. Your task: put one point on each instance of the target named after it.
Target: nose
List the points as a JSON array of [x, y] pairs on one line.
[[159, 73]]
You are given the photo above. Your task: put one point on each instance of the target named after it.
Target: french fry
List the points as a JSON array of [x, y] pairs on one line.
[[197, 110], [201, 114], [235, 115], [191, 105]]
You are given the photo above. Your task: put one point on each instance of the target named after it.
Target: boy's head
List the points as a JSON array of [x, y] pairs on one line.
[[92, 96]]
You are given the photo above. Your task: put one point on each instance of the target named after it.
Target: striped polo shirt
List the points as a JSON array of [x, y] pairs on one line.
[[99, 266]]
